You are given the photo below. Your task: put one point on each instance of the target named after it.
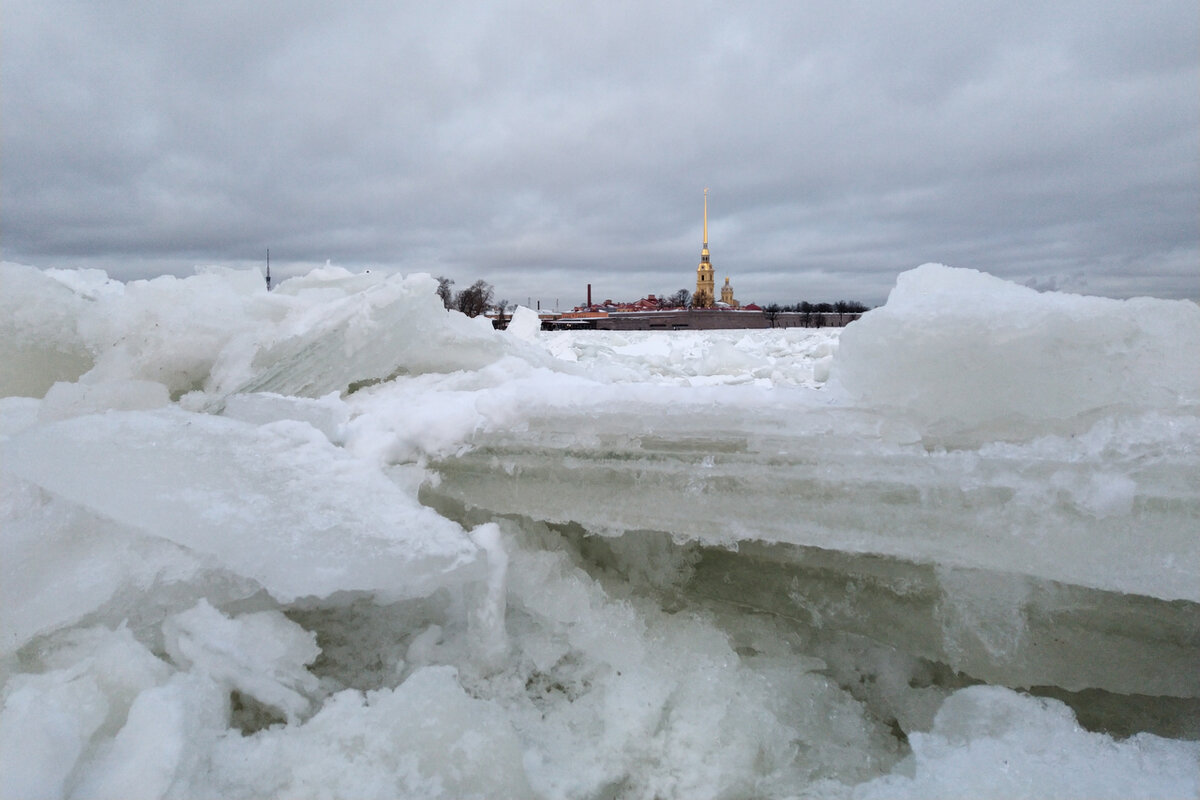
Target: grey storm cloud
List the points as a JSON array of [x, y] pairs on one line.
[[543, 146]]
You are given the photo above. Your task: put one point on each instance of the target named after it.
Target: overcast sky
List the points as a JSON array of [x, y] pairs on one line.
[[544, 146]]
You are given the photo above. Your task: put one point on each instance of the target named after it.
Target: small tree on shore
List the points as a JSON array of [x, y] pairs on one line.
[[444, 292], [680, 299], [501, 308], [474, 300], [771, 313]]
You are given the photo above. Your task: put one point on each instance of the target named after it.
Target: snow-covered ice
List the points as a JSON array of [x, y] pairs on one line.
[[332, 540]]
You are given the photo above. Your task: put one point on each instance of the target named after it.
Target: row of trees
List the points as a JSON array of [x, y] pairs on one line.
[[684, 299], [815, 315], [840, 307]]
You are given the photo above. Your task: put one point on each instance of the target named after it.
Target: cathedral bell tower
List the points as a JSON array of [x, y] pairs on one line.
[[703, 298]]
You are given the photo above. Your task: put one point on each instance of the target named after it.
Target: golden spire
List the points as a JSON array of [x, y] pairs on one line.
[[703, 297]]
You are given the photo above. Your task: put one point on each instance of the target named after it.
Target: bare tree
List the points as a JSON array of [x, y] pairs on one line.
[[443, 291], [680, 299], [806, 313], [771, 313], [841, 307], [475, 300], [501, 318]]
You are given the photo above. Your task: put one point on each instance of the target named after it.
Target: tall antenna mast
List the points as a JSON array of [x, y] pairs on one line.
[[268, 269]]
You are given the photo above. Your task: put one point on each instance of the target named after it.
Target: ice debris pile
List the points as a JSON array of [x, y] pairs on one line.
[[335, 541]]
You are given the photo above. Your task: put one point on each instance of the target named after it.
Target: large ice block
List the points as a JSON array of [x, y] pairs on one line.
[[276, 503]]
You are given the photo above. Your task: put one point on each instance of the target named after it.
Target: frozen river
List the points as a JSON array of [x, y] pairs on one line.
[[333, 541]]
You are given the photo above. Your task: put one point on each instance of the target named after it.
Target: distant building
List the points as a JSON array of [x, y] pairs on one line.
[[727, 295]]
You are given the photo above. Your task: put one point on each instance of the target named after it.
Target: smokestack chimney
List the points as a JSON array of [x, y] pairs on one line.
[[589, 295]]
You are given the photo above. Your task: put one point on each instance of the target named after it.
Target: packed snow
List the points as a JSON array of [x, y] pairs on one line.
[[334, 541]]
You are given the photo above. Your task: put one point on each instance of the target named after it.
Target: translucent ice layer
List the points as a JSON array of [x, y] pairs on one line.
[[1113, 508]]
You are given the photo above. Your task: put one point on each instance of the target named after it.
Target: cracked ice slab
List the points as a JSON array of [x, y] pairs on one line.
[[276, 503]]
